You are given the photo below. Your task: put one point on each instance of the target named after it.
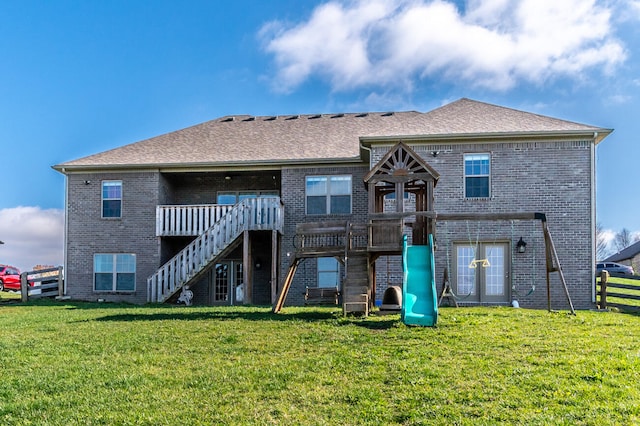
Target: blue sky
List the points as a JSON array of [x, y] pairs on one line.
[[80, 77]]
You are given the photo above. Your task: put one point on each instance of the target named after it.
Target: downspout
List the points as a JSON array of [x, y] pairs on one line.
[[65, 236], [369, 150], [594, 241]]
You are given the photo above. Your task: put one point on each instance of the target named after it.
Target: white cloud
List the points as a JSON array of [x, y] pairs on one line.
[[608, 235], [491, 43], [629, 10], [32, 236]]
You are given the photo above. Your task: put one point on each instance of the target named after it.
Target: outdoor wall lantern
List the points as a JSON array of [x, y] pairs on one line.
[[521, 246]]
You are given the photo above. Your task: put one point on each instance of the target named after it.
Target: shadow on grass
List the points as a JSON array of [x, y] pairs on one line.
[[220, 314], [377, 325], [230, 313]]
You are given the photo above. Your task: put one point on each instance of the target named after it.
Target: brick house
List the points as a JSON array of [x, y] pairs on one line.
[[222, 207], [629, 256]]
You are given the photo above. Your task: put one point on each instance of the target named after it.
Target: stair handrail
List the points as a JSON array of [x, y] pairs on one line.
[[249, 214]]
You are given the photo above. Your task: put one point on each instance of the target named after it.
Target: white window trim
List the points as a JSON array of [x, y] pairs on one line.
[[114, 273], [103, 199], [464, 172], [247, 194], [328, 195], [335, 271]]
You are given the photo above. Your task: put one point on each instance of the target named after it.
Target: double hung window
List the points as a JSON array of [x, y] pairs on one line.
[[477, 168], [328, 194], [114, 272], [111, 198]]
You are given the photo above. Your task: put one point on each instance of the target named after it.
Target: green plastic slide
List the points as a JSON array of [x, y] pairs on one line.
[[419, 299]]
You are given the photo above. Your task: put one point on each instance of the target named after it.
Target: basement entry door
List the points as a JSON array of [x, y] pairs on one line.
[[226, 283], [482, 273]]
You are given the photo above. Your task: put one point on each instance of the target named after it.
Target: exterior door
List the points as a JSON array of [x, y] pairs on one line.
[[226, 283], [482, 273]]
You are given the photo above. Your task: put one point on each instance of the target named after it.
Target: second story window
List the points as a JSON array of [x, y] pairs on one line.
[[111, 198], [328, 194], [233, 197], [477, 175]]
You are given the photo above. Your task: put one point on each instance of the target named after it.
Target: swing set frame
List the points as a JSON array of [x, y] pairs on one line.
[[551, 254]]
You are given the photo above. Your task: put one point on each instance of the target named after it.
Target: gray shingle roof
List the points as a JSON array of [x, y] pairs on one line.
[[626, 254], [246, 140]]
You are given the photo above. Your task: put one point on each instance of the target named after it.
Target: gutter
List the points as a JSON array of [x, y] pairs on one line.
[[600, 134], [226, 166]]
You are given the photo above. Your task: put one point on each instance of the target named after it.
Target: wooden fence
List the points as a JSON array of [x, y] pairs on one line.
[[618, 298], [42, 283]]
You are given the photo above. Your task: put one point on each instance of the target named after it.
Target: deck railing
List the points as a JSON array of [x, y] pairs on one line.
[[330, 238], [385, 235], [189, 220], [248, 215]]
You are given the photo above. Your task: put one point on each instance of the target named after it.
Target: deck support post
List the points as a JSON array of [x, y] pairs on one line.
[[247, 270], [274, 266]]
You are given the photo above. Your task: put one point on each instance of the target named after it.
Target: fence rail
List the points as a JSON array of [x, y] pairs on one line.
[[42, 283], [631, 293]]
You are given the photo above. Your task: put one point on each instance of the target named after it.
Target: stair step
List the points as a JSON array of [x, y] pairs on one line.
[[357, 275], [356, 283], [355, 291]]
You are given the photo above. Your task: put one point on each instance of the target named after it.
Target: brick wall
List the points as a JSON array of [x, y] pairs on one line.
[[88, 233], [293, 197], [548, 177]]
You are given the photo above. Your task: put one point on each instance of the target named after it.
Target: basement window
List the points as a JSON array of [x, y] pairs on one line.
[[114, 272], [328, 272]]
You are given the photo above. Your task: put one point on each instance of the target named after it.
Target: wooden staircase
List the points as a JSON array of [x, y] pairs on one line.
[[191, 262]]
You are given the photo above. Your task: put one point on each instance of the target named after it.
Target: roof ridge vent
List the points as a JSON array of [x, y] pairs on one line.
[[227, 119], [387, 114], [293, 117], [364, 114], [250, 119], [273, 117], [337, 115], [315, 116]]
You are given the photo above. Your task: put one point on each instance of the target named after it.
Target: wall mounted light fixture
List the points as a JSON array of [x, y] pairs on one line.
[[521, 246]]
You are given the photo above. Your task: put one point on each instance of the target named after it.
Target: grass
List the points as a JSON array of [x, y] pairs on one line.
[[9, 296], [101, 364], [627, 281]]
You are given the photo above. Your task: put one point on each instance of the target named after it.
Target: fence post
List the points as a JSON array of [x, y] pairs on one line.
[[24, 287], [60, 282], [604, 277]]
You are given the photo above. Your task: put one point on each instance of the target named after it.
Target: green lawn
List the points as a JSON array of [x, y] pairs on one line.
[[627, 281], [100, 364]]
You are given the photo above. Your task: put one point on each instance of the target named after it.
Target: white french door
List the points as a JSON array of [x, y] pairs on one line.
[[226, 278], [482, 272]]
